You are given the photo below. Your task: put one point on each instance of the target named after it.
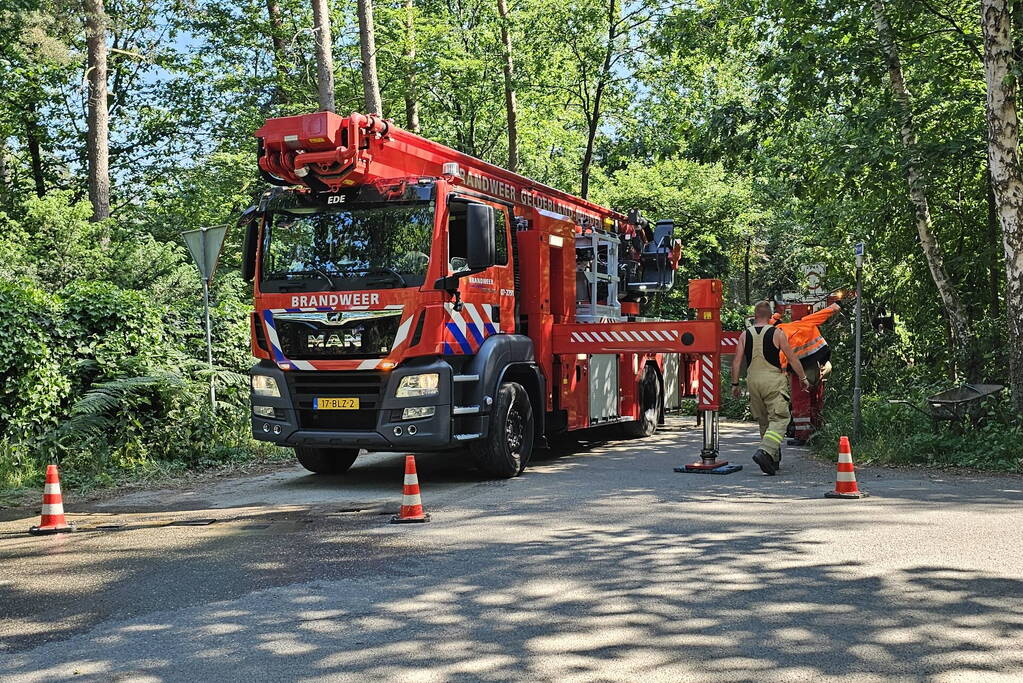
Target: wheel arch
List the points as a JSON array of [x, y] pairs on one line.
[[531, 379], [508, 357]]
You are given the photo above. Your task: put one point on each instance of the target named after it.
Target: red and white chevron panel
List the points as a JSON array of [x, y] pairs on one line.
[[709, 395], [626, 336], [707, 379], [689, 336], [729, 342]]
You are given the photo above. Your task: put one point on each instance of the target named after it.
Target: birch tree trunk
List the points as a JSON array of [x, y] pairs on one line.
[[5, 172], [1006, 175], [324, 55], [368, 47], [958, 322], [510, 104], [98, 139], [411, 96]]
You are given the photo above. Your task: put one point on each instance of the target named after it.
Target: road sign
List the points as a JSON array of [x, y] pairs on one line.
[[814, 273], [204, 244], [859, 249]]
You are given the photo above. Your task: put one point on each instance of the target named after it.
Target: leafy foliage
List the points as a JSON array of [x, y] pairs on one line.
[[100, 356], [765, 128]]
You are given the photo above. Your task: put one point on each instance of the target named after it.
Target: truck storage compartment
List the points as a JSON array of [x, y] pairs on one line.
[[603, 374]]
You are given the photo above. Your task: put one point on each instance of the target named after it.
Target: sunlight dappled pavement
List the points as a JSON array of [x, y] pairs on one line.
[[600, 563]]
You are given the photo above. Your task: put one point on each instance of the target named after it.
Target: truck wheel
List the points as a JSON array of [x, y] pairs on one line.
[[326, 460], [506, 449], [648, 394]]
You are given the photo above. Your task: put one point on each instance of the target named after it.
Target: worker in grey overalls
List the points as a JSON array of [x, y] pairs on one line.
[[759, 349]]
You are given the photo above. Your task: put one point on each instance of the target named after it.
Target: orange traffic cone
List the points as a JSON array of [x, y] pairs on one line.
[[845, 479], [51, 521], [411, 503]]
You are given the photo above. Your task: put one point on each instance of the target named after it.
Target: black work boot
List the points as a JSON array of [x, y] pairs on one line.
[[765, 461]]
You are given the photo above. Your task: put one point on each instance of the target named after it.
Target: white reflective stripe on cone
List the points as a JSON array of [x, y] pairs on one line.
[[410, 500], [845, 458], [51, 488], [846, 476], [411, 479], [53, 508]]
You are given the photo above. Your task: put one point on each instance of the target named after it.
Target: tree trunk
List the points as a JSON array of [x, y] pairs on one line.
[[509, 88], [994, 272], [273, 11], [98, 141], [324, 55], [593, 116], [957, 319], [368, 47], [1006, 175], [745, 268], [411, 96], [5, 171], [35, 154]]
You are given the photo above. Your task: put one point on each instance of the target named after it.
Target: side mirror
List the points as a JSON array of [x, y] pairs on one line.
[[480, 238], [250, 224]]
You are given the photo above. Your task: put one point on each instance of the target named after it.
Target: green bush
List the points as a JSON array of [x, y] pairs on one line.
[[33, 359], [102, 354], [896, 434]]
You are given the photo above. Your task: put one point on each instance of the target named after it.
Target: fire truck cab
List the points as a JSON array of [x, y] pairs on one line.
[[411, 298]]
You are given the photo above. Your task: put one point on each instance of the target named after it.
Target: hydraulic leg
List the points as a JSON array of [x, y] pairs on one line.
[[709, 453], [709, 463]]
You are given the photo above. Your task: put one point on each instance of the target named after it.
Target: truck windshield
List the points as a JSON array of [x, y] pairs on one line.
[[364, 246]]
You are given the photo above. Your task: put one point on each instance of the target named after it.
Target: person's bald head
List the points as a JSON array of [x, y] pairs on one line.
[[762, 311]]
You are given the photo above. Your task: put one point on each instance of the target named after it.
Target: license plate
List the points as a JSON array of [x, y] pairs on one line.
[[335, 404]]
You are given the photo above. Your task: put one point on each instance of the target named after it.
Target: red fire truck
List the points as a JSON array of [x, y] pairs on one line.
[[411, 298]]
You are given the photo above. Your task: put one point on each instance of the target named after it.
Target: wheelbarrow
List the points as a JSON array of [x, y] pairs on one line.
[[954, 404]]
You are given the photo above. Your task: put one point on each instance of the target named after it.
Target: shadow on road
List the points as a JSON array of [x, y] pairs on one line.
[[639, 581], [729, 603]]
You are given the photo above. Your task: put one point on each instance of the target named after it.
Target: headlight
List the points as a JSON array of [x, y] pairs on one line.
[[418, 412], [264, 411], [265, 386], [418, 385]]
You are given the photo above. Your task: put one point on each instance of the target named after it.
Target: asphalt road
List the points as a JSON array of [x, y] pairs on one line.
[[597, 564]]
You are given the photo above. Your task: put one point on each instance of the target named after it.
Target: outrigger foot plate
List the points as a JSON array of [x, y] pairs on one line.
[[699, 468]]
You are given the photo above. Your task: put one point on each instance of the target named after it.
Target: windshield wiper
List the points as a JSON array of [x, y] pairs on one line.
[[299, 273], [398, 277], [393, 275]]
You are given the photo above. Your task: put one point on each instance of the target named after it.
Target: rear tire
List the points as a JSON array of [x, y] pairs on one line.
[[509, 443], [648, 395], [326, 460]]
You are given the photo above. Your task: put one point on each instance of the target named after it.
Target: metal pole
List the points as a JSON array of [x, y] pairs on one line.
[[209, 327], [857, 390], [209, 342]]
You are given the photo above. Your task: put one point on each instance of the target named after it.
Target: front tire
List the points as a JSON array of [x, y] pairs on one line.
[[326, 460], [648, 395], [509, 443]]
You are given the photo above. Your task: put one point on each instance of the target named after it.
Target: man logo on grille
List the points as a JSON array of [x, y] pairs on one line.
[[348, 339]]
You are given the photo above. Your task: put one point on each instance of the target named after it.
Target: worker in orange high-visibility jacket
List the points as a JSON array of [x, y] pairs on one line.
[[814, 355]]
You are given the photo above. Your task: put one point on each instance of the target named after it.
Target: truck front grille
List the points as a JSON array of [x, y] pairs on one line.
[[366, 386], [311, 339]]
